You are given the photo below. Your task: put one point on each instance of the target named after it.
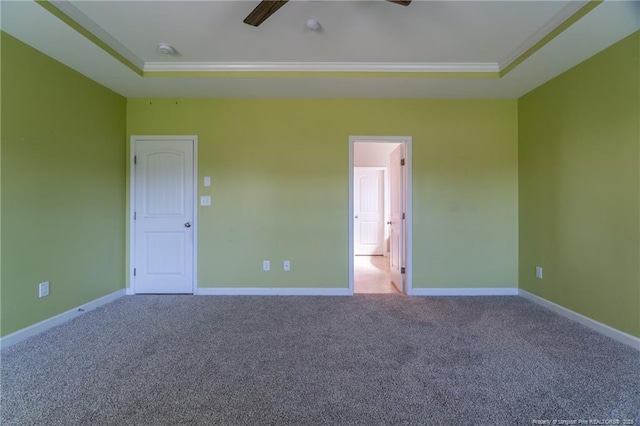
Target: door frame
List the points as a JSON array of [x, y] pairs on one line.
[[132, 197], [407, 140], [385, 195]]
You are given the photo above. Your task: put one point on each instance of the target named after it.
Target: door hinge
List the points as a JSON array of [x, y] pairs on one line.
[[135, 215], [402, 270], [135, 159], [402, 162], [403, 215], [134, 272]]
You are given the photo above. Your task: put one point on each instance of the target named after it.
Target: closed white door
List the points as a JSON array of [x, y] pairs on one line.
[[369, 211], [164, 216], [397, 179]]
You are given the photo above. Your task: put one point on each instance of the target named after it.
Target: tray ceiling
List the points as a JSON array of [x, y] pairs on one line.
[[363, 48]]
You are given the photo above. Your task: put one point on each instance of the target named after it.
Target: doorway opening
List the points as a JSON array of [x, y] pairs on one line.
[[380, 215]]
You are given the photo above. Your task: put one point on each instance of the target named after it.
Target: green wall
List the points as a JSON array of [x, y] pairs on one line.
[[579, 187], [279, 189], [561, 164], [63, 187], [1, 34]]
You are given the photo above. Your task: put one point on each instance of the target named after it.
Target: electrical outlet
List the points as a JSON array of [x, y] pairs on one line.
[[266, 265], [539, 272], [43, 289], [286, 265]]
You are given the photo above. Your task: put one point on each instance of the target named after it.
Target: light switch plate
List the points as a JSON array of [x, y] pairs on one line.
[[207, 181], [43, 289], [205, 200]]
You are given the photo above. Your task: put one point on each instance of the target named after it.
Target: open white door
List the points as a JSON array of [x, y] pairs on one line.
[[397, 179], [368, 206], [163, 226]]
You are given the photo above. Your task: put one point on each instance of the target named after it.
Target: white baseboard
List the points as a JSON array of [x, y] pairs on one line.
[[278, 291], [484, 291], [130, 291], [32, 330], [601, 328]]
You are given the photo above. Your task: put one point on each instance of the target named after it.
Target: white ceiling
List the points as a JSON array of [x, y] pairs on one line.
[[464, 36], [354, 31]]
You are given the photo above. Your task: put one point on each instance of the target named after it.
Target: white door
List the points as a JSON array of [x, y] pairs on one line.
[[368, 208], [397, 179], [164, 216]]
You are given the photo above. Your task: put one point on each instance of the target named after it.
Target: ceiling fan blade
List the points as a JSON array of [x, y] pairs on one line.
[[401, 2], [262, 11]]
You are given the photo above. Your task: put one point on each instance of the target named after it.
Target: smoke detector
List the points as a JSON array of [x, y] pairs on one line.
[[313, 24], [166, 48]]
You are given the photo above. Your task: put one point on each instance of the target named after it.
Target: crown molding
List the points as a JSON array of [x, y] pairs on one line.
[[83, 20], [534, 38], [357, 67], [569, 15], [68, 13], [74, 18]]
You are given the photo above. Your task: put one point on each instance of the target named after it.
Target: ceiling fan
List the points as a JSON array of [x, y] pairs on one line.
[[266, 8]]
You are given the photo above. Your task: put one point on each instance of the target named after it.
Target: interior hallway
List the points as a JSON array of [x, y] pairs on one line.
[[372, 275]]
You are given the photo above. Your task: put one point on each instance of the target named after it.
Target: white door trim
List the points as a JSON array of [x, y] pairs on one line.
[[132, 194], [409, 213]]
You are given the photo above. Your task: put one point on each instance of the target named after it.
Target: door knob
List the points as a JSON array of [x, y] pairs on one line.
[[389, 222], [187, 225]]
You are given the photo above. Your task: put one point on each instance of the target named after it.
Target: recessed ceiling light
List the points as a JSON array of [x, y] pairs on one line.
[[166, 48]]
